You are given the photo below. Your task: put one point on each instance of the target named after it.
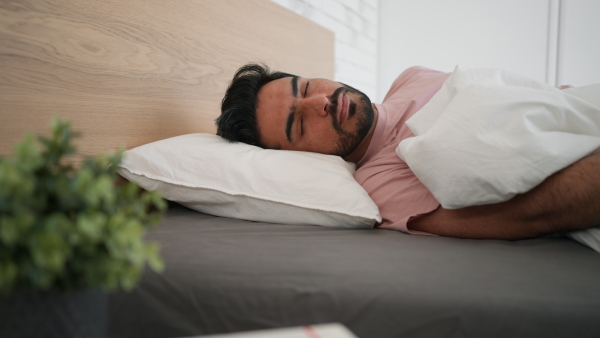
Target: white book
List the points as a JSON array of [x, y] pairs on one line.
[[332, 330]]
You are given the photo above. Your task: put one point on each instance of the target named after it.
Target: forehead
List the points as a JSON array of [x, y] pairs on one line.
[[272, 108], [276, 88]]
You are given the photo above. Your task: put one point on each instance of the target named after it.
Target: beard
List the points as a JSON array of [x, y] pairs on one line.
[[363, 109]]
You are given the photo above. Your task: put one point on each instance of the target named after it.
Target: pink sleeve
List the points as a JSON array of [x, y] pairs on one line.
[[389, 181], [397, 192]]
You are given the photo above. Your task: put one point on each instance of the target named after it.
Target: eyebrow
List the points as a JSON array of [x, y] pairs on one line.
[[291, 115], [295, 86]]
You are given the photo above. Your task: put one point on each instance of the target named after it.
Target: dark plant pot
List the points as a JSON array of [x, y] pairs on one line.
[[41, 314]]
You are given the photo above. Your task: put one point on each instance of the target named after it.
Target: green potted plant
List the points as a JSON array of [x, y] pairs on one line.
[[68, 234]]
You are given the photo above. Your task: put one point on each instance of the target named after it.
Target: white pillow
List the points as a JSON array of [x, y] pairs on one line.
[[206, 173], [488, 135]]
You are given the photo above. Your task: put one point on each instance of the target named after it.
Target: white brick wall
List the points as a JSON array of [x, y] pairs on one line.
[[355, 24]]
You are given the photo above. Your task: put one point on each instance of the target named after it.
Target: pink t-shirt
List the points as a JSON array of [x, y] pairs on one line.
[[389, 181]]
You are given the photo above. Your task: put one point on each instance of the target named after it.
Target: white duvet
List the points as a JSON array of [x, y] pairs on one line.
[[488, 135]]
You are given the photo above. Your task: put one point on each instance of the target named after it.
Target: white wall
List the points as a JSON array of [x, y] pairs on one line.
[[579, 42], [555, 41], [355, 24], [507, 34]]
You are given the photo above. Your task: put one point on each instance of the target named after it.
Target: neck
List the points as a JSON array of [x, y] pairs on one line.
[[360, 151]]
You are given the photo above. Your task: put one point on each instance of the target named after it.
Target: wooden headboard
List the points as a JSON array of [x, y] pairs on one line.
[[132, 72]]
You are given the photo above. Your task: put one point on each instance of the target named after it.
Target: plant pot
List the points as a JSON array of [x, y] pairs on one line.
[[37, 314]]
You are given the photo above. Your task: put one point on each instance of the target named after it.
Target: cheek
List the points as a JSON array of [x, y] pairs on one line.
[[323, 138], [324, 129], [323, 87]]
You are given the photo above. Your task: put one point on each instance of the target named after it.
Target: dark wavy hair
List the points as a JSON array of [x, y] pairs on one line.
[[237, 122]]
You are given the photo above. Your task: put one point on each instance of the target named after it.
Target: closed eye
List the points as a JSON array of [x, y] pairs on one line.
[[306, 89]]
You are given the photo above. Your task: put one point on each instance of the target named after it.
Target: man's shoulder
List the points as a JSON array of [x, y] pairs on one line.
[[412, 81], [416, 73], [418, 68]]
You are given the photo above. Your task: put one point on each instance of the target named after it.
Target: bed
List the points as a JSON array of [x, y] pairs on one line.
[[127, 73]]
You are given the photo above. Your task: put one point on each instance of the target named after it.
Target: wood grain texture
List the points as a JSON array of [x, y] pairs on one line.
[[131, 72]]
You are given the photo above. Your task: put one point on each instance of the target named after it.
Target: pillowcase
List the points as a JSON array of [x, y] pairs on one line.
[[488, 135], [206, 173]]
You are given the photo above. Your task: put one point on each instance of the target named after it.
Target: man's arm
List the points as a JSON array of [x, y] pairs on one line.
[[566, 201]]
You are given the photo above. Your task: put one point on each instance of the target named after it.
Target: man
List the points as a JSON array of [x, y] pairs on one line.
[[277, 110]]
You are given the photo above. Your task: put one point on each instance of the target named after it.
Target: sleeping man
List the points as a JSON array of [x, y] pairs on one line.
[[277, 110]]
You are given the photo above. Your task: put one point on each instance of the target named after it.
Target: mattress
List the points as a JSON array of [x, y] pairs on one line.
[[226, 275]]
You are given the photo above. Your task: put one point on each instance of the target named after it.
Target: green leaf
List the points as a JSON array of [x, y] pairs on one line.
[[91, 225], [14, 227], [105, 189], [14, 182], [130, 277], [8, 275], [154, 260], [64, 227], [28, 155], [8, 230], [49, 251]]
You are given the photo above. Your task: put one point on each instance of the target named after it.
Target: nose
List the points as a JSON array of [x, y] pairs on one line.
[[315, 104]]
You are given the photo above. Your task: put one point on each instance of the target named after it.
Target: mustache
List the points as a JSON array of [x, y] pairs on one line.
[[332, 110]]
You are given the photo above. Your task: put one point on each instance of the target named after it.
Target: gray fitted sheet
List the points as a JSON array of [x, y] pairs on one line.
[[226, 275]]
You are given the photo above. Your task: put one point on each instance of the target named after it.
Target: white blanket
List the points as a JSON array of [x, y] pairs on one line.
[[488, 135]]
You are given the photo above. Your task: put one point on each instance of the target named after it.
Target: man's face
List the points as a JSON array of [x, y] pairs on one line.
[[315, 115]]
